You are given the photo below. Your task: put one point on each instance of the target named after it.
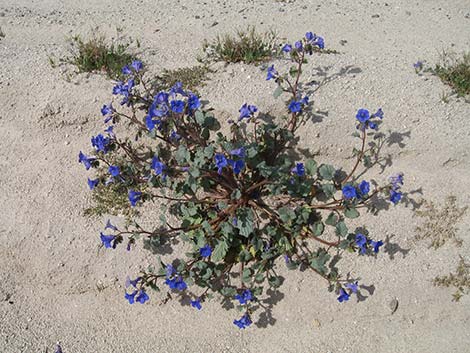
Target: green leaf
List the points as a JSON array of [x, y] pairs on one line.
[[220, 250], [341, 229], [351, 212], [278, 91], [286, 214], [311, 167], [328, 189], [246, 275], [182, 155], [199, 117], [274, 281], [327, 171], [318, 228], [245, 221], [228, 291], [332, 219], [318, 262]]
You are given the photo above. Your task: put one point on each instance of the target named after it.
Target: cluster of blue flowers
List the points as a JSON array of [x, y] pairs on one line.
[[237, 161], [174, 280], [366, 120], [351, 192], [362, 242], [311, 40], [137, 295], [165, 104], [247, 111], [396, 182], [344, 295]]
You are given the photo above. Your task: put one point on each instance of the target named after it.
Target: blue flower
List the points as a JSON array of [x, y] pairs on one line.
[[395, 196], [109, 225], [137, 65], [100, 143], [295, 106], [82, 158], [245, 297], [320, 43], [193, 102], [126, 70], [299, 169], [177, 106], [372, 125], [244, 322], [287, 48], [363, 115], [343, 296], [272, 73], [349, 192], [157, 166], [361, 241], [109, 241], [220, 162], [175, 136], [305, 100], [310, 36], [418, 65], [205, 251], [239, 152], [364, 187], [353, 287], [92, 183], [130, 297], [124, 90], [107, 109], [396, 180], [142, 297], [196, 304], [237, 165], [134, 196], [150, 123], [176, 283], [376, 245], [109, 130], [169, 270], [247, 111], [162, 97], [114, 170], [379, 113], [298, 45], [177, 89]]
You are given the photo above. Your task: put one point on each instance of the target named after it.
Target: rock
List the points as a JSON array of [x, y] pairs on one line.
[[393, 305]]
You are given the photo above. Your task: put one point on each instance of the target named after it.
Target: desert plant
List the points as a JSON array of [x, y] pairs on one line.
[[248, 46], [193, 77], [98, 54], [239, 201], [460, 280], [452, 70]]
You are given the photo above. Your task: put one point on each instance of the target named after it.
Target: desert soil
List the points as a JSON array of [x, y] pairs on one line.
[[56, 284]]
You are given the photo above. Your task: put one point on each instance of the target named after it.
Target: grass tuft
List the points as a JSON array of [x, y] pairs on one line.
[[460, 280], [440, 224], [95, 54], [454, 71], [247, 46], [192, 77]]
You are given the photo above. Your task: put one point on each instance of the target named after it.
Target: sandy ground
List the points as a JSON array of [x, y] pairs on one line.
[[51, 270]]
